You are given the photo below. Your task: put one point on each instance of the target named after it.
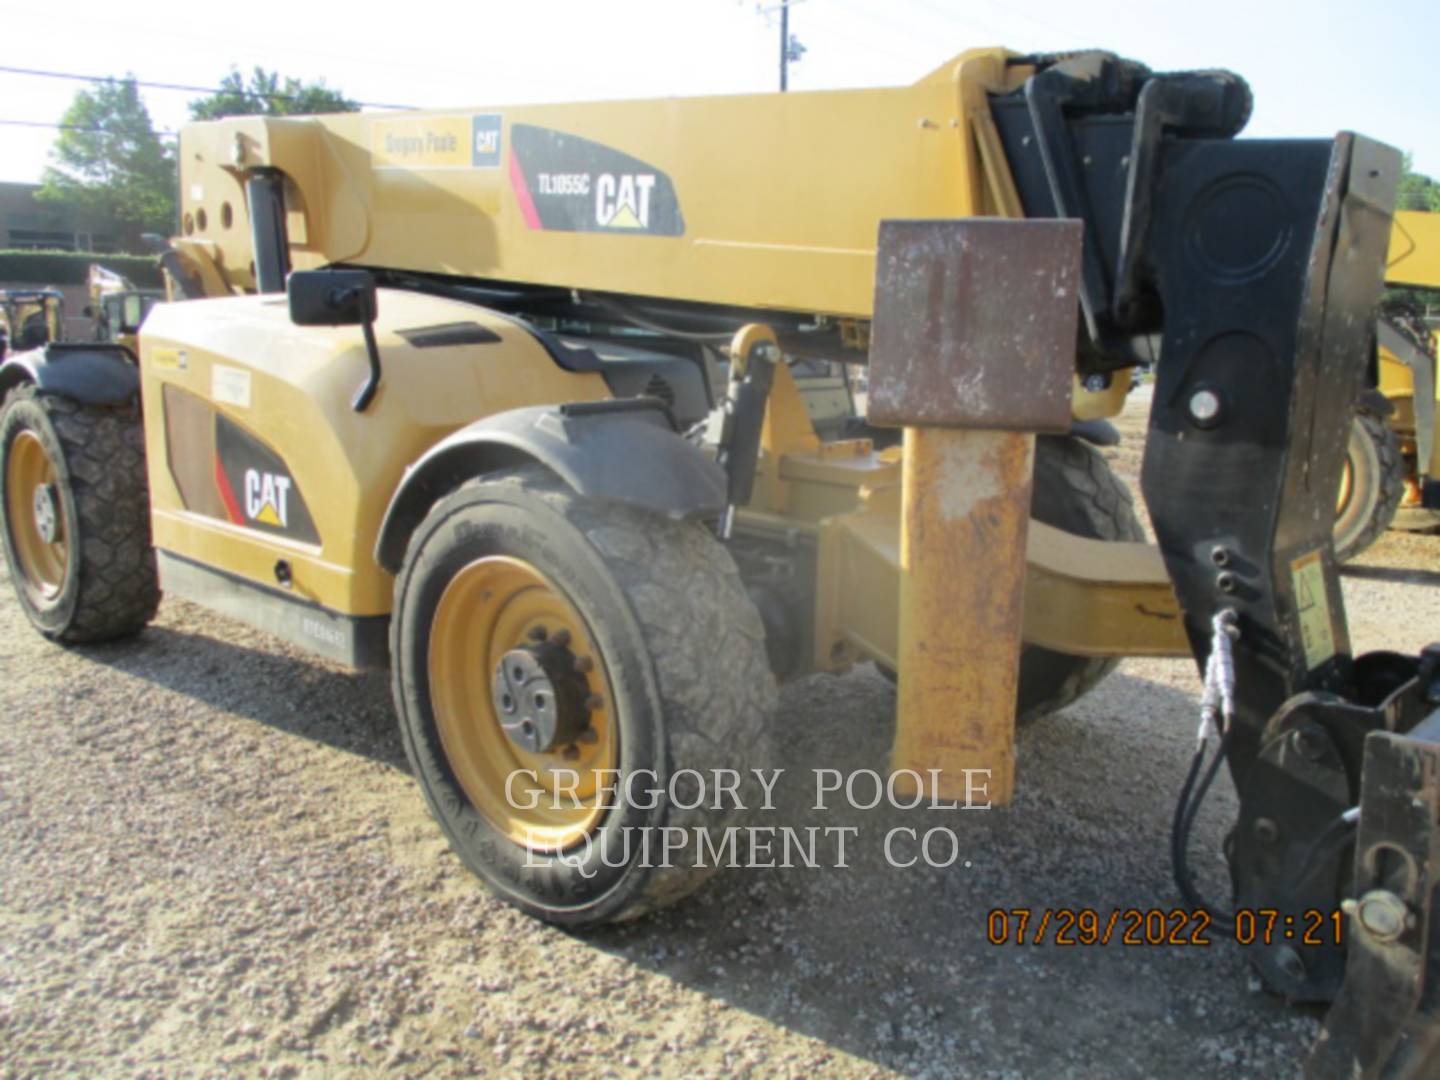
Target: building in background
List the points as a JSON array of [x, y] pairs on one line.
[[28, 224]]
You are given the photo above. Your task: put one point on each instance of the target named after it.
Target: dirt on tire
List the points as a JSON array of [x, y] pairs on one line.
[[99, 456], [1379, 486]]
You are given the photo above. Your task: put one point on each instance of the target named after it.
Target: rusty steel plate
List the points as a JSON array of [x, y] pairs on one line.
[[974, 324]]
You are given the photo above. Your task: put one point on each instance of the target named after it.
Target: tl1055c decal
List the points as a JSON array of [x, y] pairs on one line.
[[223, 471], [568, 184]]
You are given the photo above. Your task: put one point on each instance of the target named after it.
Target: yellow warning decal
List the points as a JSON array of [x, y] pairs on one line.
[[168, 359], [1312, 608]]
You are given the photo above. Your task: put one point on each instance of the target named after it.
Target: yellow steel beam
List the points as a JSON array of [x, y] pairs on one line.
[[965, 499], [373, 189], [1085, 597], [1414, 250], [971, 388]]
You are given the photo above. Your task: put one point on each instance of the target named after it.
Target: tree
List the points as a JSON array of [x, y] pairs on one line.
[[269, 95], [109, 162], [1417, 192]]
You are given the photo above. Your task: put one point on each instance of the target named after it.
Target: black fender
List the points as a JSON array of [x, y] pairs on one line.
[[92, 374], [624, 451], [1096, 432]]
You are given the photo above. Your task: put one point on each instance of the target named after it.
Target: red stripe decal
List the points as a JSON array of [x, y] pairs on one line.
[[522, 192], [227, 493]]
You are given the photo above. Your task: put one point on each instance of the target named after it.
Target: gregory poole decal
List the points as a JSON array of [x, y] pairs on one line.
[[568, 184], [470, 141]]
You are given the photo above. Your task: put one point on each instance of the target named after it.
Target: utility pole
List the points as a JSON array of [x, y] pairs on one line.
[[784, 45], [790, 48]]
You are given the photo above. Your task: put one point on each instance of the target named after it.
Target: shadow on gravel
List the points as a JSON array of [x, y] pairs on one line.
[[1397, 574], [893, 963], [347, 710]]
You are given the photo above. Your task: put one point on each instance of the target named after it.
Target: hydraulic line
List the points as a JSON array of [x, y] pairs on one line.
[[1217, 714]]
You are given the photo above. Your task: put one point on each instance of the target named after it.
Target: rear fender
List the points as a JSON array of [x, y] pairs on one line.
[[92, 374], [624, 451]]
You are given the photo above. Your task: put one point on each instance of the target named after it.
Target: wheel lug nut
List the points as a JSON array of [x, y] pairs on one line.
[[537, 633], [571, 752], [594, 701], [584, 664], [589, 737], [562, 637]]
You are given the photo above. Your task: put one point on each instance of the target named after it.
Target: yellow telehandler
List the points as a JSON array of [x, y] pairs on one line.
[[117, 307], [1406, 377], [30, 317], [514, 401]]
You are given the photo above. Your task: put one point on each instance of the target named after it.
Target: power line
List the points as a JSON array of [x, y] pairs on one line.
[[962, 17], [928, 45], [163, 132], [1048, 24], [790, 48], [177, 86]]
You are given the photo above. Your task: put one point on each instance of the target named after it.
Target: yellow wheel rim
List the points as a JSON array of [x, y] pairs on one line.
[[37, 523], [490, 608], [1347, 486]]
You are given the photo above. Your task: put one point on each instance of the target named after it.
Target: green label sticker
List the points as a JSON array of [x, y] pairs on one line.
[[1312, 608]]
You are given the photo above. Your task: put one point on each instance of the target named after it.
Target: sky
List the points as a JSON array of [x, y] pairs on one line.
[[1315, 67]]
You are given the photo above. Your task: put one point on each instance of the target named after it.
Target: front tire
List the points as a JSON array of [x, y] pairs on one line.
[[1371, 486], [77, 516], [1075, 490], [659, 638]]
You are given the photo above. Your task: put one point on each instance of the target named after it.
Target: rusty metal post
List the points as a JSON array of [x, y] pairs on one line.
[[972, 352]]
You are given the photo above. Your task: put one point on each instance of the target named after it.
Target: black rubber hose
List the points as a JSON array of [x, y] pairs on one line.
[[1187, 807]]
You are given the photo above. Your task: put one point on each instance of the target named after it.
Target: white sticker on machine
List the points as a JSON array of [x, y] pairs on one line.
[[230, 386], [1312, 608]]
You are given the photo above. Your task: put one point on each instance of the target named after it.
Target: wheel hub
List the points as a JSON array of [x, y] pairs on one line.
[[540, 697], [46, 512], [495, 615]]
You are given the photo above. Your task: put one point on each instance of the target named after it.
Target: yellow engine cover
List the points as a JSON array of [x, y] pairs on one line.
[[256, 458]]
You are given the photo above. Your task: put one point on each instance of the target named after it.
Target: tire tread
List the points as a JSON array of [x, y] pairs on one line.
[[103, 452]]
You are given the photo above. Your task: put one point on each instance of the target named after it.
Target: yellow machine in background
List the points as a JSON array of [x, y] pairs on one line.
[[514, 401], [29, 318], [1407, 376], [117, 306]]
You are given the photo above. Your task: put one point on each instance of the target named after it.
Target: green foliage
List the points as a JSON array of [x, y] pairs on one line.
[[110, 163], [268, 95], [71, 267], [1417, 191]]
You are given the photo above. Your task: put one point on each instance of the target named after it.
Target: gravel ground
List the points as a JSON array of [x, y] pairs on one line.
[[213, 860]]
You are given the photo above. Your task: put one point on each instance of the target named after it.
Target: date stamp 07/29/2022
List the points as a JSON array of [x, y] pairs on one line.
[[1161, 926]]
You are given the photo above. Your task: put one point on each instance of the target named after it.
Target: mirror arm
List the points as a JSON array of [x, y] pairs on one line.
[[366, 394]]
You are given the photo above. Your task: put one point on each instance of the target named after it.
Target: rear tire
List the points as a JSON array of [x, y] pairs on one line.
[[678, 664], [1371, 488], [79, 550]]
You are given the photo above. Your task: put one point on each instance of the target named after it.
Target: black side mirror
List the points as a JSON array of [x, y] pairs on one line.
[[331, 297], [339, 298]]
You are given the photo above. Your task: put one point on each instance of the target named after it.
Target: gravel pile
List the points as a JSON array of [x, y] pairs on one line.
[[213, 861]]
